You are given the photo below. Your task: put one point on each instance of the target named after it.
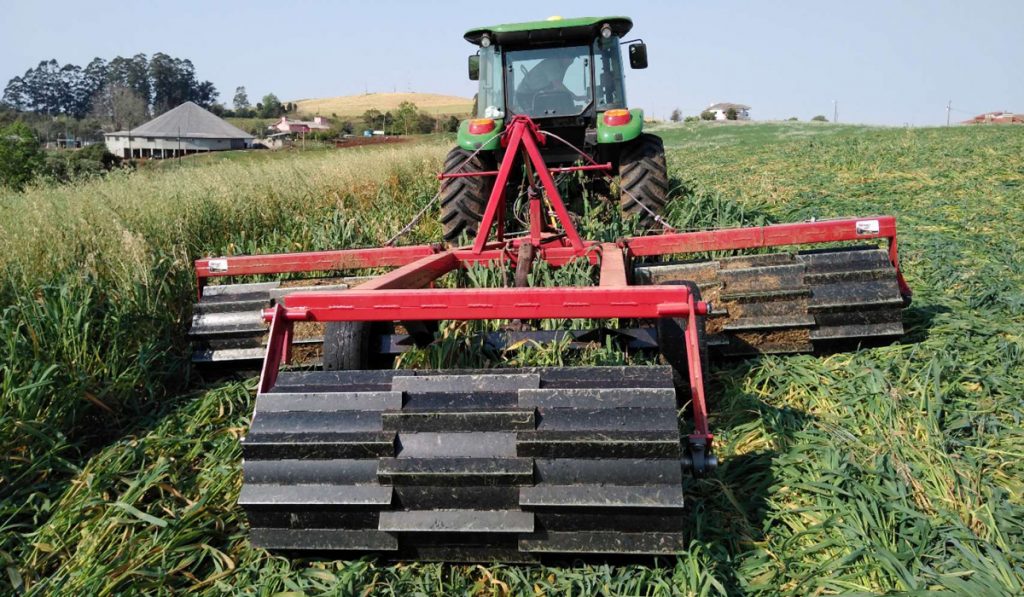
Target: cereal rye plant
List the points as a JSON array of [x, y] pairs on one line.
[[893, 469]]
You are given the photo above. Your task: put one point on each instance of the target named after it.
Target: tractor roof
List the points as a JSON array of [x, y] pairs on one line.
[[550, 31]]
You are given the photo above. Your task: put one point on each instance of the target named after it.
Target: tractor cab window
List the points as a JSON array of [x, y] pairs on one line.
[[490, 100], [611, 87], [549, 82]]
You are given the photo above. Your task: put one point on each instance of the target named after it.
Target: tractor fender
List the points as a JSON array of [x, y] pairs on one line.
[[620, 134], [487, 141]]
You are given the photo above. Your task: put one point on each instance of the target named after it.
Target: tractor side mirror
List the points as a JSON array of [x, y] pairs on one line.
[[638, 55], [474, 67]]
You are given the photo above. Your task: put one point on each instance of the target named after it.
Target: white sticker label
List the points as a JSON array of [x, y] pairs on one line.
[[221, 265], [863, 227]]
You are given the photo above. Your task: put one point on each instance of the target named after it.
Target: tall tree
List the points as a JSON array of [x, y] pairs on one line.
[[162, 83], [119, 107], [94, 77], [204, 94], [16, 94], [134, 73], [241, 99], [270, 106], [373, 118], [407, 117], [174, 82]]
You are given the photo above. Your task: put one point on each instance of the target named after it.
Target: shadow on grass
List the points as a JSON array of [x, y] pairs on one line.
[[727, 510], [918, 321]]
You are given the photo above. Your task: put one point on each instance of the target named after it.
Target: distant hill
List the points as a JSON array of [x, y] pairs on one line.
[[355, 105]]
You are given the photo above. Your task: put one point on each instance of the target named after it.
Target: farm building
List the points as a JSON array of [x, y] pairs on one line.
[[318, 123], [721, 110], [996, 118], [184, 130]]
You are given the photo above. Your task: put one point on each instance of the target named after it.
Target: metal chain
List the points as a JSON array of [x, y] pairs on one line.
[[416, 219]]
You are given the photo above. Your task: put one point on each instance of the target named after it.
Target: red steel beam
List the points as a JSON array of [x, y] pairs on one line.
[[696, 371], [764, 236], [594, 302], [550, 189], [613, 266], [246, 265], [278, 347], [606, 166], [417, 274], [555, 255], [497, 199]]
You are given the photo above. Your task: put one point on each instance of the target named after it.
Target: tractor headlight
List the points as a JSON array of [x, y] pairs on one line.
[[606, 31], [485, 41]]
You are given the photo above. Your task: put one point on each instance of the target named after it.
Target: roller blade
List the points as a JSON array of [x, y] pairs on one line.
[[793, 302], [228, 328], [472, 465]]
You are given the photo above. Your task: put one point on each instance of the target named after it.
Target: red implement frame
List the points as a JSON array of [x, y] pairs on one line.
[[401, 294]]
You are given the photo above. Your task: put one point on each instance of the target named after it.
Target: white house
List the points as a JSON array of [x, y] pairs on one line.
[[721, 110], [184, 130]]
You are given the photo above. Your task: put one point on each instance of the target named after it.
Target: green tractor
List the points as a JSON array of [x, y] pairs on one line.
[[567, 76]]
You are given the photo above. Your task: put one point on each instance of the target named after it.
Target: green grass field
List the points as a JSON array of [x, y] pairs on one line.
[[895, 469]]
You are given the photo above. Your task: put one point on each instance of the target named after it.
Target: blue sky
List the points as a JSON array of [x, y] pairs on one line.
[[886, 62]]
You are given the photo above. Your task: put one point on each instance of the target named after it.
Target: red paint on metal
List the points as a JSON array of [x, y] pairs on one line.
[[605, 166], [349, 259], [631, 302], [278, 345], [536, 219], [761, 236], [693, 357], [414, 275], [497, 199], [776, 235], [523, 136], [613, 266], [550, 189], [560, 170]]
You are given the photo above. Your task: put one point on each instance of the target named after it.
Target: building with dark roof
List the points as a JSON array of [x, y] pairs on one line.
[[184, 130]]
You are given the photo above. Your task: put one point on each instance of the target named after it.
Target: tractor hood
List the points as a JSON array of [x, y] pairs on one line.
[[552, 31]]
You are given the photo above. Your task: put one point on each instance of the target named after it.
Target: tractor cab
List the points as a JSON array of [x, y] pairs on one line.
[[566, 74]]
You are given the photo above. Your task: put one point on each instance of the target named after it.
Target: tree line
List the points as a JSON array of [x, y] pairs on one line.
[[120, 92], [408, 119]]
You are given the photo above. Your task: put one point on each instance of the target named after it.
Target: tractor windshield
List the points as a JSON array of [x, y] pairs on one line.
[[549, 82]]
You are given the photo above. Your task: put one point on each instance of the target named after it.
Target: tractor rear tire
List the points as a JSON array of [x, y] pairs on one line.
[[346, 345], [643, 179], [463, 199]]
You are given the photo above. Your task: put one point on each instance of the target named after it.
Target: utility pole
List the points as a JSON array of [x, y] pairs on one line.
[[835, 110], [949, 106]]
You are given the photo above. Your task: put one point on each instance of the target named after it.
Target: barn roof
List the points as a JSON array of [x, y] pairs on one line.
[[187, 121]]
